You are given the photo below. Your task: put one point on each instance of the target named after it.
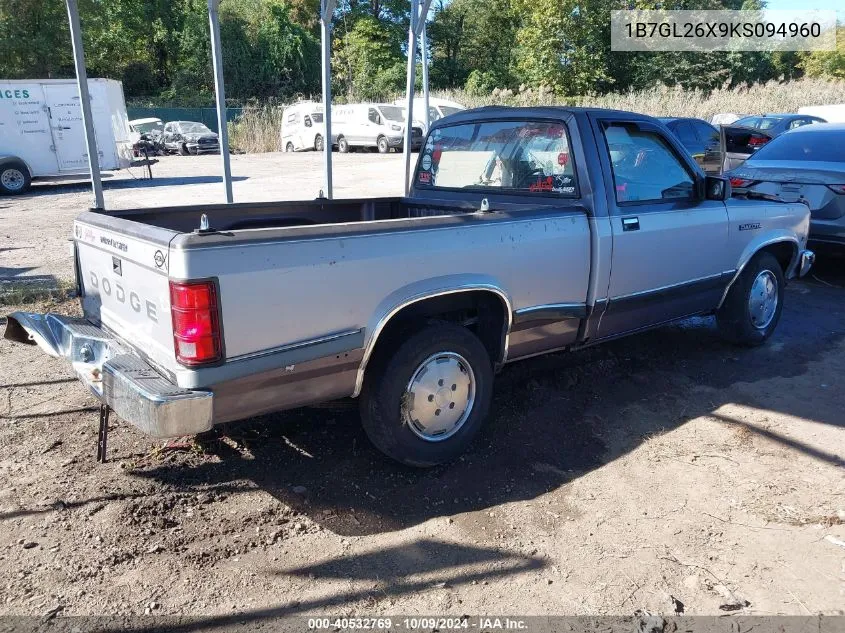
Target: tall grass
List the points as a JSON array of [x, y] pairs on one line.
[[258, 130]]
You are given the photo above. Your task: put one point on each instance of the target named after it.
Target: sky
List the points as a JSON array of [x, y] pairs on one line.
[[803, 5]]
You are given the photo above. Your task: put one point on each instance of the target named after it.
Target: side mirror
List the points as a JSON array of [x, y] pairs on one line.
[[717, 188]]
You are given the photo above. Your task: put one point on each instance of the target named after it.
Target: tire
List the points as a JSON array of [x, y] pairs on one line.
[[411, 436], [289, 147], [752, 308], [183, 150], [383, 145], [14, 177], [318, 143], [342, 144]]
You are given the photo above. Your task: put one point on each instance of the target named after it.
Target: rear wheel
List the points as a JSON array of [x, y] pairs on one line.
[[14, 177], [183, 150], [342, 144], [424, 402], [289, 147], [383, 145], [318, 143], [752, 308]]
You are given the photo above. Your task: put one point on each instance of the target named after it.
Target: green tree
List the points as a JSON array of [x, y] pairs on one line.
[[827, 64]]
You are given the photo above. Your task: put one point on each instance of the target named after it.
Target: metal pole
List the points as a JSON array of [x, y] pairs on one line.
[[326, 13], [220, 94], [85, 103], [409, 88], [424, 44]]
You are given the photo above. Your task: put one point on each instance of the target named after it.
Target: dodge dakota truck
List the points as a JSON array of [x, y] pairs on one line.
[[525, 231]]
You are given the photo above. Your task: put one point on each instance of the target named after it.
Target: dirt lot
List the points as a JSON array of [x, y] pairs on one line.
[[666, 472]]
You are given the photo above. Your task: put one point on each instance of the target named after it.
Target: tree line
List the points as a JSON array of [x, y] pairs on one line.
[[160, 48]]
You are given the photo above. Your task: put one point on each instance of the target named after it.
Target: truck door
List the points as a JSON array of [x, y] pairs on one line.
[[66, 126], [669, 244]]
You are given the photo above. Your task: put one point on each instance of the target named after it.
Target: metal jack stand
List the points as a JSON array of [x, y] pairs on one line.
[[103, 436]]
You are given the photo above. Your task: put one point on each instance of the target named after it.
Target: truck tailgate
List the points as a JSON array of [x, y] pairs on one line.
[[125, 288]]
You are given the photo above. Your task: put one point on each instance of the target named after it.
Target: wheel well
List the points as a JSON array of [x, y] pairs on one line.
[[15, 160], [482, 311], [784, 252]]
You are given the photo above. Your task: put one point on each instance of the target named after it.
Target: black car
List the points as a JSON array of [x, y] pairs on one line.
[[777, 124], [699, 138]]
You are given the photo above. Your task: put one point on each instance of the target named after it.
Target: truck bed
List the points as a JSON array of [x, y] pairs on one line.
[[262, 215]]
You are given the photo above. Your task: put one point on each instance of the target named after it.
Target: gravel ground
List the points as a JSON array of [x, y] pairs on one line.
[[668, 472]]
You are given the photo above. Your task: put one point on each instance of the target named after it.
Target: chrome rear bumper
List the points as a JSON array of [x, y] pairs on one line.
[[115, 374]]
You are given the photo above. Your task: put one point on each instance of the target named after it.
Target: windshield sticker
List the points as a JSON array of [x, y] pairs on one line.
[[426, 162], [424, 178], [562, 159], [429, 144], [437, 153]]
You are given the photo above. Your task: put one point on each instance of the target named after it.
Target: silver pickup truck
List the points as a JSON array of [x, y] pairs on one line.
[[526, 231]]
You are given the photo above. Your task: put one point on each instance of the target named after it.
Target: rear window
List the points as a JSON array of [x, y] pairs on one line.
[[512, 156], [805, 146]]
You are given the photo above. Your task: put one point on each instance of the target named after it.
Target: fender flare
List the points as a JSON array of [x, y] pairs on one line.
[[755, 247], [397, 306], [8, 158]]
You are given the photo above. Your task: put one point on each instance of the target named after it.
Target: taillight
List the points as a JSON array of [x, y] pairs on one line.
[[758, 141], [740, 182], [196, 327], [840, 189]]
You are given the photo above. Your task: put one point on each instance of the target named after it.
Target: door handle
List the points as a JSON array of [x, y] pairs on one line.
[[630, 224]]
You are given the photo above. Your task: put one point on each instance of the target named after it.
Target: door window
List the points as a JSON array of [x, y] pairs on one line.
[[706, 133], [685, 132], [373, 116], [645, 168]]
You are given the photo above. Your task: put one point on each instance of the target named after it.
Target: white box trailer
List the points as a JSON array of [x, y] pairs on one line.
[[41, 130]]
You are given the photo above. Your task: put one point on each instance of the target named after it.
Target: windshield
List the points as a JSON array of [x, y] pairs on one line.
[[189, 127], [804, 146], [317, 117], [528, 156], [392, 113], [151, 126]]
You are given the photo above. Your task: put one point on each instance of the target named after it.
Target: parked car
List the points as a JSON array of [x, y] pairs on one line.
[[526, 230], [704, 143], [372, 126], [146, 134], [41, 131], [776, 124], [805, 165], [303, 127], [189, 137]]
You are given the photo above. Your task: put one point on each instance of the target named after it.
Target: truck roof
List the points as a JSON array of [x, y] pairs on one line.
[[551, 112]]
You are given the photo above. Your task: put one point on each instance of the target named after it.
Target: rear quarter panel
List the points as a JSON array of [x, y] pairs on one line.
[[281, 292]]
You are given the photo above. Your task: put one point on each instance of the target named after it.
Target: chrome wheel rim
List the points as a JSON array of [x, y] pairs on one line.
[[12, 179], [763, 300], [439, 397]]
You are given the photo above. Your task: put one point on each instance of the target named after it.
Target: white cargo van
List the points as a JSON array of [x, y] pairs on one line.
[[437, 109], [830, 113], [41, 131], [371, 125], [303, 127]]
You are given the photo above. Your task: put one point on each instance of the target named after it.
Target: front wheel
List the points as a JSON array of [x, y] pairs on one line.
[[383, 145], [752, 308], [14, 177], [183, 150], [289, 147], [342, 144], [318, 143], [423, 403]]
